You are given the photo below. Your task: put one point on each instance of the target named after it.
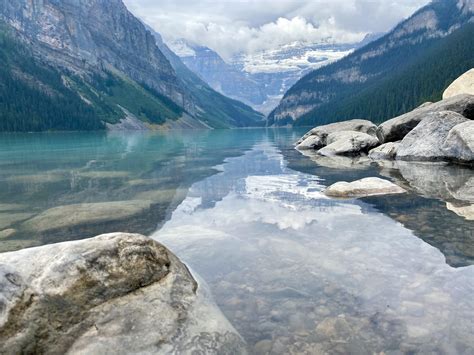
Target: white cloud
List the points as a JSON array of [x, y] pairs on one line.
[[232, 26]]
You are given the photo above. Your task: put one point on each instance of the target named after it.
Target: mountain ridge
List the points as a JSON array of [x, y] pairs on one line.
[[378, 60]]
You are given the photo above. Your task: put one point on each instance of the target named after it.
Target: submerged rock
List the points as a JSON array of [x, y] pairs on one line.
[[427, 141], [397, 128], [462, 85], [320, 133], [349, 144], [7, 233], [362, 188], [387, 151], [82, 218], [113, 294]]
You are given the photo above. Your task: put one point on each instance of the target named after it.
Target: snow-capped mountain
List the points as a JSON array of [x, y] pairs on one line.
[[259, 79]]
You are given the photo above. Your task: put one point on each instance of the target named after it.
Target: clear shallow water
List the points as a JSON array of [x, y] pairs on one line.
[[294, 271]]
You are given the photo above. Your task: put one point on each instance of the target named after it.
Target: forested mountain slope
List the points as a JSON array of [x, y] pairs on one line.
[[80, 64], [411, 64]]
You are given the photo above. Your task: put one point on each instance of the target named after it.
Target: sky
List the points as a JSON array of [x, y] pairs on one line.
[[248, 26]]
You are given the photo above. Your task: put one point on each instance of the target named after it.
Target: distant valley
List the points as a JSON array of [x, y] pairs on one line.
[[260, 79]]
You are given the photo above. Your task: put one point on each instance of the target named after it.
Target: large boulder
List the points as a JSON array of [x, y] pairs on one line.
[[348, 144], [397, 128], [387, 151], [426, 142], [459, 145], [320, 133], [113, 294], [361, 188], [462, 85]]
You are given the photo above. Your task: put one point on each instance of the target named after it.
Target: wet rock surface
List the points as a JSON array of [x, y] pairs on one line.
[[116, 293], [361, 188]]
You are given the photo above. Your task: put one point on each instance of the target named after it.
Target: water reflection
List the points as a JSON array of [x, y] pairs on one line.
[[296, 272], [439, 208]]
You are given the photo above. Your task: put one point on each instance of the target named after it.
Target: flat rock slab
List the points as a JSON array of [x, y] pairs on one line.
[[363, 188], [462, 85], [113, 294]]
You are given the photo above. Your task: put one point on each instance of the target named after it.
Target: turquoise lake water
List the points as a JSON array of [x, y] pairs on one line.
[[293, 271]]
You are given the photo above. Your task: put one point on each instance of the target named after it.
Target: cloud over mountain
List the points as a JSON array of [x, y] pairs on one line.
[[231, 26]]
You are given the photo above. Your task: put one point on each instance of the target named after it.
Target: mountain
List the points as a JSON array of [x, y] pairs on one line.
[[259, 79], [406, 67], [223, 77], [88, 64], [222, 111]]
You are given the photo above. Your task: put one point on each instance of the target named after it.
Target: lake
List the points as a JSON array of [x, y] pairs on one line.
[[293, 271]]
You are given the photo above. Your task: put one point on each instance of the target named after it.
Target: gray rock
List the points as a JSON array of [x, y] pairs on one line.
[[459, 144], [322, 132], [113, 294], [462, 85], [426, 141], [349, 144], [387, 151], [463, 210], [311, 142], [397, 128], [364, 187]]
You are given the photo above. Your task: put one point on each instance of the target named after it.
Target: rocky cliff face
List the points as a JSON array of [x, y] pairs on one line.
[[111, 62], [87, 36], [370, 63]]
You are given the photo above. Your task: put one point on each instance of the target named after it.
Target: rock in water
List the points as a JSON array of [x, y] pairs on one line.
[[387, 151], [348, 144], [463, 210], [462, 85], [312, 142], [426, 141], [460, 143], [113, 294], [320, 133], [363, 188], [397, 128]]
